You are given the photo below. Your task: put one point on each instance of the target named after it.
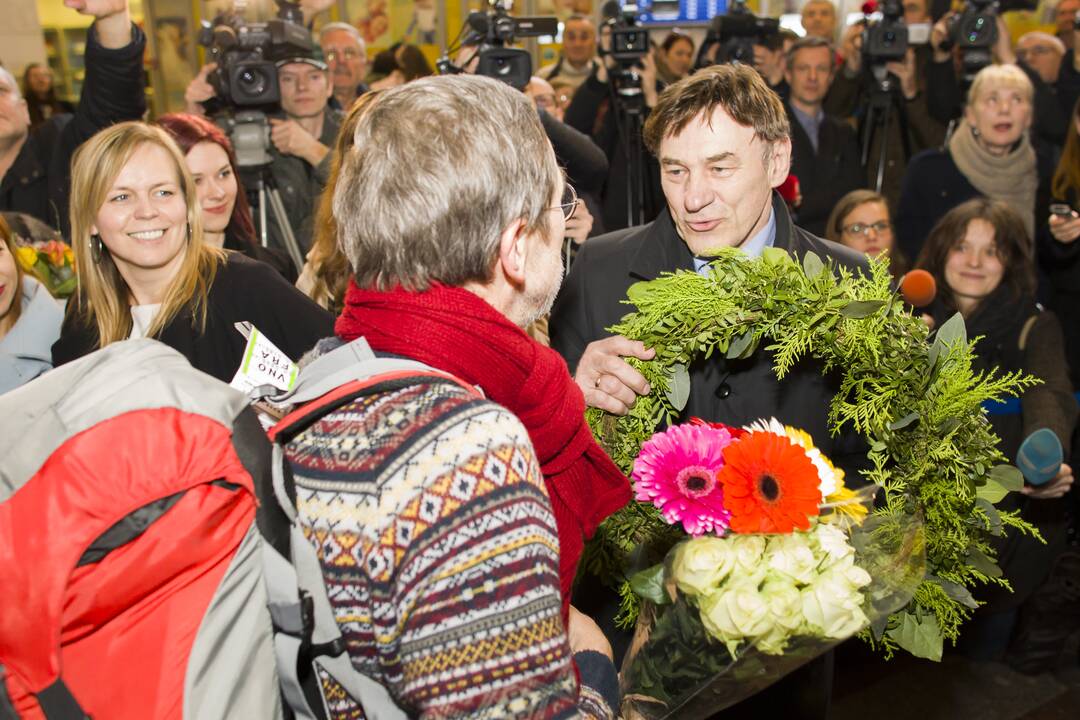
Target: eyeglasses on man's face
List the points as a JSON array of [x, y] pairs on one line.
[[864, 228], [569, 202]]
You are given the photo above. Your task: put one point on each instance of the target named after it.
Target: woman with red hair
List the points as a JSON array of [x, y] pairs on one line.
[[226, 213]]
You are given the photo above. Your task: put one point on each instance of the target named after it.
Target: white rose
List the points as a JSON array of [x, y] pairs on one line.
[[773, 642], [833, 607], [784, 601], [735, 613], [701, 564], [791, 555], [834, 542], [749, 553]]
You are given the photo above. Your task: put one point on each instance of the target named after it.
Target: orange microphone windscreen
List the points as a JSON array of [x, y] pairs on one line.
[[918, 288]]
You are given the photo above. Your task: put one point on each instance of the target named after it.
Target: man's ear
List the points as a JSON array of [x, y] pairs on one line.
[[513, 251], [779, 162]]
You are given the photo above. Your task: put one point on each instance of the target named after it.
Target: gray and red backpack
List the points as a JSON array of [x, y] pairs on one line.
[[151, 565]]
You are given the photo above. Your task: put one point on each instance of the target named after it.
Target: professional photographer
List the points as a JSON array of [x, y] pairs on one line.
[[625, 85], [578, 58], [855, 86], [35, 166], [770, 60], [585, 164], [302, 131], [957, 41]]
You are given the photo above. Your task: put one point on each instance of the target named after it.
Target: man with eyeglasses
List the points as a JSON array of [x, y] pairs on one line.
[[460, 502], [723, 142], [346, 55]]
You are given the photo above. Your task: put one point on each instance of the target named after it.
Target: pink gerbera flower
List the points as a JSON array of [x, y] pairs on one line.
[[676, 471]]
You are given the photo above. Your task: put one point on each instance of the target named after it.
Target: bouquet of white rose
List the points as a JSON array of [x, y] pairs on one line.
[[781, 564]]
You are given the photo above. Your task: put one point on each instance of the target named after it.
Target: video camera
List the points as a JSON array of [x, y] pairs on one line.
[[974, 31], [736, 34], [492, 31], [886, 40], [246, 55], [629, 42]]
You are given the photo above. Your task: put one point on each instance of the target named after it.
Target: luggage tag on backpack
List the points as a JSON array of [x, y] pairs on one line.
[[263, 364]]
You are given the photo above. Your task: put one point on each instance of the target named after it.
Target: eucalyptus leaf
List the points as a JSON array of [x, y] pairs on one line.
[[921, 638], [957, 592], [742, 346], [991, 491], [978, 560], [812, 265], [649, 585], [639, 292], [858, 309], [678, 391], [1008, 477], [952, 332], [991, 515], [904, 421]]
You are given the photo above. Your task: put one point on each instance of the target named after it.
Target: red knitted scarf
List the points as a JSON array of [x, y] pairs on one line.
[[454, 330]]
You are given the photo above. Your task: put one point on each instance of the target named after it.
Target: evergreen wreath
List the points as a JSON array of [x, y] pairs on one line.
[[917, 403]]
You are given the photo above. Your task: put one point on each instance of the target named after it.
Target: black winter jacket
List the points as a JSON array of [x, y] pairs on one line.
[[39, 181]]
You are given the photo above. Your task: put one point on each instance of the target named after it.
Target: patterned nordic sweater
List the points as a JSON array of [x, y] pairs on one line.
[[439, 550]]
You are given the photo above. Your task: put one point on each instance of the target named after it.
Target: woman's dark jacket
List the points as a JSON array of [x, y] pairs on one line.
[[243, 290], [1002, 321]]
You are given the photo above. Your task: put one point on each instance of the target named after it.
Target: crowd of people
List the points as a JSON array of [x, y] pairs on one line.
[[491, 234]]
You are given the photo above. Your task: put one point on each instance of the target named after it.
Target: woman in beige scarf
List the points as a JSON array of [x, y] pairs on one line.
[[989, 154]]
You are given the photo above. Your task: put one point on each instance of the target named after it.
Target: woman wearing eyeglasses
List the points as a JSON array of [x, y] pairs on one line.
[[861, 221]]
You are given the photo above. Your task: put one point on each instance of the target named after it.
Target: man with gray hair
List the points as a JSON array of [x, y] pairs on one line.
[[35, 176], [449, 513], [345, 53]]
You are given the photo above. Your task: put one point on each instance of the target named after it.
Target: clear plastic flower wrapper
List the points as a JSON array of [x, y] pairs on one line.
[[781, 564]]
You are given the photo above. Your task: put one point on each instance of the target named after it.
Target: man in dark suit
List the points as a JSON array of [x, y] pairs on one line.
[[824, 151], [722, 140]]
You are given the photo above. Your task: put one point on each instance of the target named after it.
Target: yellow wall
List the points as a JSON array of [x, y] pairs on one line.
[[53, 13]]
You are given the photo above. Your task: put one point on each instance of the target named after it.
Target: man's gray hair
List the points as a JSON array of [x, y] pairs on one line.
[[440, 167], [346, 27], [5, 74]]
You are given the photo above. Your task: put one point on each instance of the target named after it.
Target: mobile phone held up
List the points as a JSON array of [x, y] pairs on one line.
[[1062, 210]]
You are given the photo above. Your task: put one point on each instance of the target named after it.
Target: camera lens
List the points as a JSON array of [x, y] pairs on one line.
[[252, 81]]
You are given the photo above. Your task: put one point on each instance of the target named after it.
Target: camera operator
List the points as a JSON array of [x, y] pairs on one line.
[[1052, 101], [770, 60], [850, 97], [593, 111], [301, 136], [819, 19], [35, 166], [578, 59]]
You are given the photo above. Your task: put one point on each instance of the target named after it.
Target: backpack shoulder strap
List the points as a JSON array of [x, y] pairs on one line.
[[306, 635]]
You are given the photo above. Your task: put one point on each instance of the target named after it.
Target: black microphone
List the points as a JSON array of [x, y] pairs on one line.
[[611, 9]]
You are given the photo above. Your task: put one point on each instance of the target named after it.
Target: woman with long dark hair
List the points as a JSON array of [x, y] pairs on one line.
[[982, 259], [226, 213]]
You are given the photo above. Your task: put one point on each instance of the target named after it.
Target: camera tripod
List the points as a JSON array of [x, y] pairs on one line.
[[629, 105], [885, 101], [262, 190]]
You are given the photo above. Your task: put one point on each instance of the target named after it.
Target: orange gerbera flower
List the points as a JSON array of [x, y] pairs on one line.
[[770, 485]]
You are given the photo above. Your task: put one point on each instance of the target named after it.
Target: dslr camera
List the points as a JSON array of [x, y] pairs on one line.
[[736, 34], [491, 32]]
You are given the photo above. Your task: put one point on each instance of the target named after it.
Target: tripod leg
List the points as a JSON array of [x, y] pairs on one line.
[[286, 230], [883, 154]]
